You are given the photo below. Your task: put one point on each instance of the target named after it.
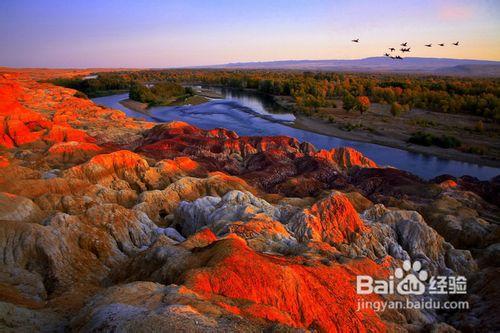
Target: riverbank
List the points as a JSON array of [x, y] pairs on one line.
[[191, 100], [321, 126], [209, 93], [379, 126], [136, 106]]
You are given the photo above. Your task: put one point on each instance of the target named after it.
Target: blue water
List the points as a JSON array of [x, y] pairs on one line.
[[250, 114]]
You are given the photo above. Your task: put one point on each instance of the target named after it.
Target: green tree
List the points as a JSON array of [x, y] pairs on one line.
[[349, 101], [141, 93]]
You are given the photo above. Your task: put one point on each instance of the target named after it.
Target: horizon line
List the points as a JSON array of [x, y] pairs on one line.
[[238, 62]]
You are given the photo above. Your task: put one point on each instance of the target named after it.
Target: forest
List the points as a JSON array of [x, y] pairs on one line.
[[105, 84], [311, 90]]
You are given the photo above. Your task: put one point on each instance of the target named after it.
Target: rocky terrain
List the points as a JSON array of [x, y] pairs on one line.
[[108, 223]]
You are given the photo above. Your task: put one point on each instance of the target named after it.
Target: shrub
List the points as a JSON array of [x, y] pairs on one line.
[[479, 126], [423, 122], [447, 141], [474, 150], [349, 127], [427, 139], [396, 109], [421, 138], [79, 94]]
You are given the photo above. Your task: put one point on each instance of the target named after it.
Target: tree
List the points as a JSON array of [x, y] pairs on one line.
[[141, 93], [396, 109], [349, 101], [363, 104]]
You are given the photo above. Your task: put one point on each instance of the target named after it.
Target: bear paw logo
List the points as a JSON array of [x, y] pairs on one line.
[[412, 283]]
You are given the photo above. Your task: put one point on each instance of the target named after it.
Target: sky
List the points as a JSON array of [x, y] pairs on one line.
[[172, 33]]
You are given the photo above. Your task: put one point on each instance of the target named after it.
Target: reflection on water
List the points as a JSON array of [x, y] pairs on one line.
[[261, 104], [248, 114]]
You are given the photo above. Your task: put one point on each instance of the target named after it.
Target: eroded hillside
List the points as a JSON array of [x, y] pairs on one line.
[[108, 223]]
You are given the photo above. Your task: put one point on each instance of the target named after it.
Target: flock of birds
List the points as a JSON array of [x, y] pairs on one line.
[[404, 48]]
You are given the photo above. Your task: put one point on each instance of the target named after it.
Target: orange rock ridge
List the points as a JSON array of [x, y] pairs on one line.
[[279, 289]]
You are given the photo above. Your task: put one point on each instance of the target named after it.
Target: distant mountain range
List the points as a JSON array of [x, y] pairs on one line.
[[441, 66]]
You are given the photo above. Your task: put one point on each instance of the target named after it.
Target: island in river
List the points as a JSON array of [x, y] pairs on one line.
[[143, 96], [144, 107]]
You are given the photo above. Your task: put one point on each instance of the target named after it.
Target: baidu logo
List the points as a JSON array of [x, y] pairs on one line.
[[411, 284], [410, 280]]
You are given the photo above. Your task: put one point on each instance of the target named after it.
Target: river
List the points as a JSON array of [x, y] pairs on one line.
[[253, 114]]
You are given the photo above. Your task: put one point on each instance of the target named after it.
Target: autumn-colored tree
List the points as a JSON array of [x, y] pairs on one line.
[[397, 91], [396, 109], [363, 103]]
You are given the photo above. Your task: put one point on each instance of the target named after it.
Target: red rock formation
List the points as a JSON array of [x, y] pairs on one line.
[[283, 290], [53, 115], [72, 152], [347, 158], [4, 161], [448, 184], [259, 225], [333, 220], [202, 238], [60, 133], [105, 168], [271, 163], [19, 125]]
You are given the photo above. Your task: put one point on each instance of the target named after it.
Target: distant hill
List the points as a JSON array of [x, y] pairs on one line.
[[441, 66]]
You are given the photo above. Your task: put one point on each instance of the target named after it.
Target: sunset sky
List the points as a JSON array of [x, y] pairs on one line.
[[143, 33]]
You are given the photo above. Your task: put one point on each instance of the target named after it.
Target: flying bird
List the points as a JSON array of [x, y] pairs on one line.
[[399, 58], [386, 54], [405, 49], [404, 44], [392, 49], [392, 57], [355, 40], [456, 44], [442, 44], [428, 45]]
